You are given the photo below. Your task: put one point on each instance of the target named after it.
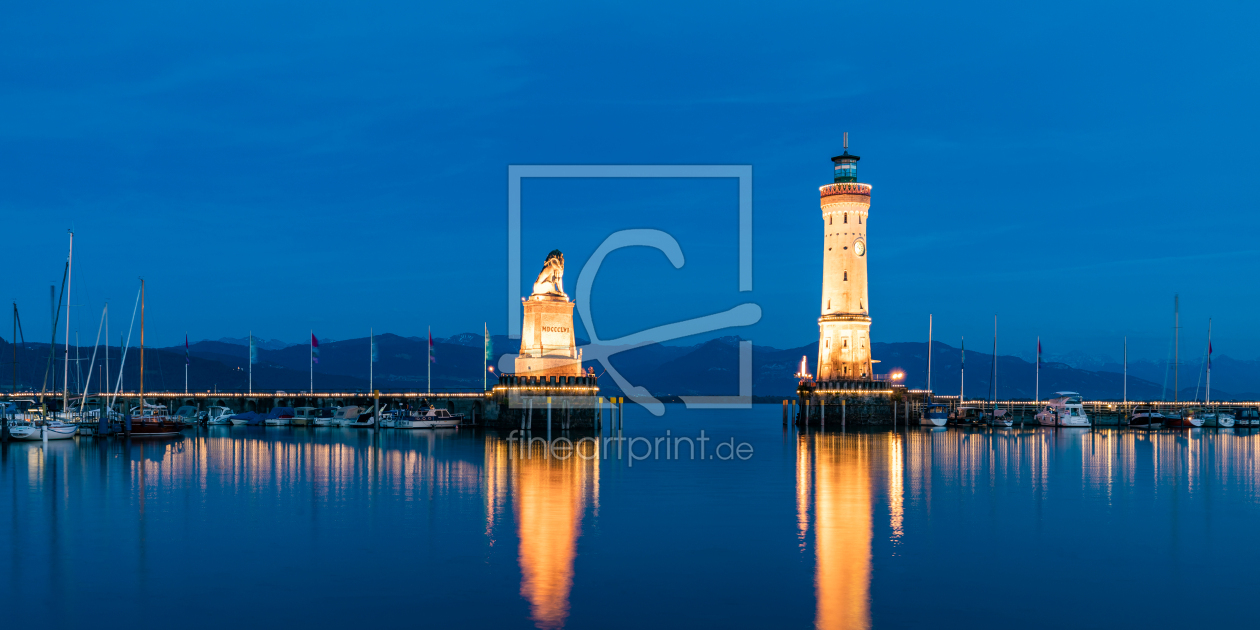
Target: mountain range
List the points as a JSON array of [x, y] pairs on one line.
[[709, 368]]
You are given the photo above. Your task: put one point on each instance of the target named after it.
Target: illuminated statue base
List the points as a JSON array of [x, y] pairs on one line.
[[548, 345]]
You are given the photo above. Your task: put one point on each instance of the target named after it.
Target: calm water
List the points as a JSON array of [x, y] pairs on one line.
[[243, 527]]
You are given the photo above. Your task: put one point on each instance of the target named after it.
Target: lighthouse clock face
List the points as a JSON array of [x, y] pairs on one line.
[[859, 248]]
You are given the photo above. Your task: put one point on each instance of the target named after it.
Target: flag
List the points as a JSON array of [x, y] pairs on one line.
[[1209, 355], [253, 352], [489, 346], [1038, 350], [375, 356], [186, 361], [432, 358], [314, 348]]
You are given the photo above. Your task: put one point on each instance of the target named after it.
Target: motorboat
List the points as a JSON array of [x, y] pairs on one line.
[[386, 419], [430, 418], [1000, 418], [1220, 418], [218, 415], [364, 420], [305, 416], [249, 418], [1146, 417], [1064, 411], [1187, 418], [966, 415], [155, 425], [279, 417], [186, 414], [337, 418], [934, 415], [1247, 417]]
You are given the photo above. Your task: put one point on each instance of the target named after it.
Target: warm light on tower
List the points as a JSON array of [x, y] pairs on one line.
[[844, 351]]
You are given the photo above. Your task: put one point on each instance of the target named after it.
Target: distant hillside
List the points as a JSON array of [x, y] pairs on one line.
[[709, 368]]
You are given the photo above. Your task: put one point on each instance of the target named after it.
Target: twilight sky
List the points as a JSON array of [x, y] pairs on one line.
[[283, 166]]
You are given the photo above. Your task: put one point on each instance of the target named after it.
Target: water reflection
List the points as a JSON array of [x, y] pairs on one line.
[[550, 497], [840, 485]]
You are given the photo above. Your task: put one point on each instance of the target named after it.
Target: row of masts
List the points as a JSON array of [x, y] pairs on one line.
[[1037, 387]]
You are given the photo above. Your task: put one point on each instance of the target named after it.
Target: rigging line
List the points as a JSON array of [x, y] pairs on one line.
[[123, 363], [92, 365], [56, 318]]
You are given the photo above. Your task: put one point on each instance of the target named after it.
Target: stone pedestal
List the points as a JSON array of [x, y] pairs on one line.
[[548, 345]]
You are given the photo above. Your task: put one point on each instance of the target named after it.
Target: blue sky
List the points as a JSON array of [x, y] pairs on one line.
[[279, 167]]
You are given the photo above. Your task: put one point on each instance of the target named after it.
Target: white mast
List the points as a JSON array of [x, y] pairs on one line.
[[929, 374], [995, 393], [962, 373], [1207, 398], [311, 359], [371, 357], [65, 381], [1037, 387], [251, 361], [429, 387], [1126, 372]]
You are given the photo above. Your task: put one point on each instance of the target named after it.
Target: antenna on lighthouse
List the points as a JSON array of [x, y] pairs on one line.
[[846, 141]]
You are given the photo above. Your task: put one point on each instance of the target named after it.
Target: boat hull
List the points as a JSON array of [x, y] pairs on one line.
[[426, 424], [933, 422], [156, 429]]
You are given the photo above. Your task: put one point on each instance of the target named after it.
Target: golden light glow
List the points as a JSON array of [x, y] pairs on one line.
[[842, 526], [550, 496]]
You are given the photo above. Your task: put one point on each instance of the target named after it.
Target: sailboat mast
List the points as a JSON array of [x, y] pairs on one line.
[[65, 378], [995, 392], [962, 372], [1126, 372], [929, 373], [1176, 345], [142, 347], [1207, 398]]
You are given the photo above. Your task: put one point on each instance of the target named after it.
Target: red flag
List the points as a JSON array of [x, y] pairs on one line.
[[314, 348], [432, 358], [1209, 355], [186, 360]]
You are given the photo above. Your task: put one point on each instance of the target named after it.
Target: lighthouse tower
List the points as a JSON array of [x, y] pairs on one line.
[[844, 340]]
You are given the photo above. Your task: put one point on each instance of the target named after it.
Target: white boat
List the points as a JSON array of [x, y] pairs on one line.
[[934, 415], [339, 418], [55, 430], [305, 416], [186, 414], [1221, 418], [219, 415], [1000, 418], [429, 419], [1064, 411], [387, 418], [362, 421]]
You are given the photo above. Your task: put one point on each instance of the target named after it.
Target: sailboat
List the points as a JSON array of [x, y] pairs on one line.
[[998, 417], [151, 421], [1214, 417]]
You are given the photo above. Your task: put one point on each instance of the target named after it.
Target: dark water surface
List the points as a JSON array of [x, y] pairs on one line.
[[235, 527]]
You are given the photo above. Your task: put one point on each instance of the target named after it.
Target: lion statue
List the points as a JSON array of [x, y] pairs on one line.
[[551, 278]]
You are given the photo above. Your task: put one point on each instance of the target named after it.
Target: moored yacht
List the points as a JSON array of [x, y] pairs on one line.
[[279, 417], [1146, 417], [430, 418], [1247, 417], [1000, 418], [1064, 411], [341, 417], [305, 416], [934, 415], [1219, 418], [1187, 418], [218, 415]]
